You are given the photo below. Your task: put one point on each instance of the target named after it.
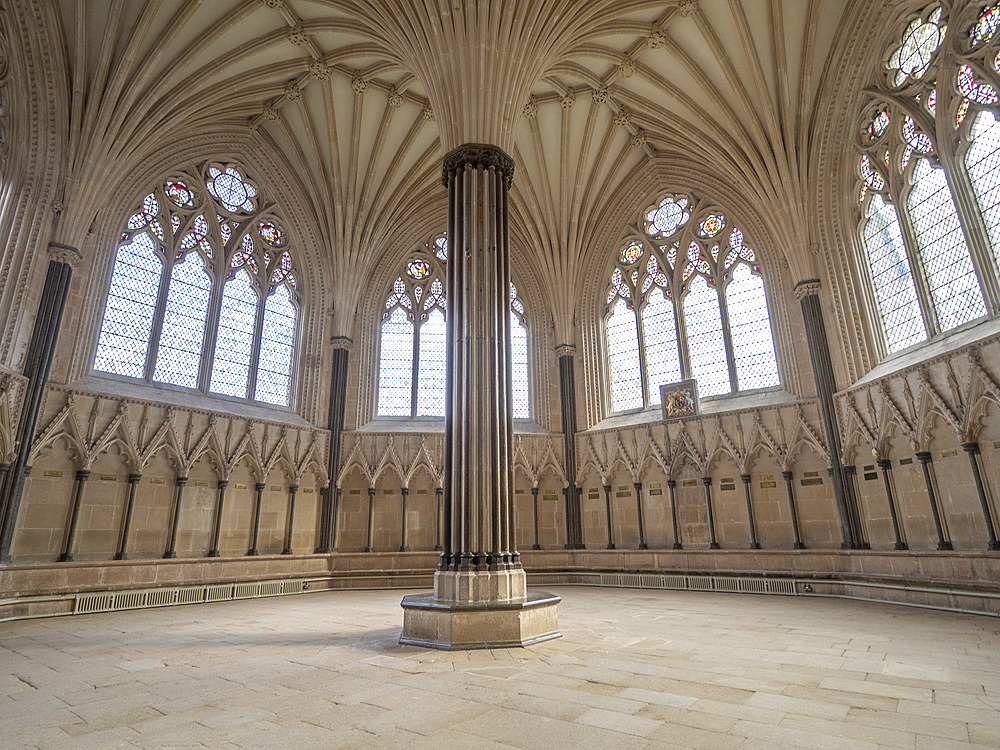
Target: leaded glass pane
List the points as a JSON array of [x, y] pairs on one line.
[[519, 367], [431, 370], [395, 367], [178, 357], [234, 342], [706, 346], [663, 364], [623, 359], [950, 274], [274, 369], [892, 278], [128, 315], [750, 326], [983, 162]]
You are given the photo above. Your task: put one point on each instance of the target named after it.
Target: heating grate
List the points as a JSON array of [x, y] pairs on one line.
[[729, 584], [118, 600]]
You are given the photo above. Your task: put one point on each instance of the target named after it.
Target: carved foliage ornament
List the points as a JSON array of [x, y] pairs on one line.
[[480, 156]]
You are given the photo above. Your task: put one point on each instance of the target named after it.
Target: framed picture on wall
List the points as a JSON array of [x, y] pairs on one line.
[[679, 399]]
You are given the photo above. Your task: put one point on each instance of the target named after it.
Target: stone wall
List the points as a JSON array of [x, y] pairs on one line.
[[114, 438]]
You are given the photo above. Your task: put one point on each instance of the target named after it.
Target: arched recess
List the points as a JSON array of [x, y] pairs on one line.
[[622, 212], [315, 267], [373, 306]]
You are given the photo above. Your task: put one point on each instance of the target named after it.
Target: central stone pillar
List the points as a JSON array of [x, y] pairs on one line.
[[480, 597]]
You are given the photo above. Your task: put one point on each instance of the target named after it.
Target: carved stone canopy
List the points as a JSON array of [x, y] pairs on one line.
[[807, 288], [481, 156]]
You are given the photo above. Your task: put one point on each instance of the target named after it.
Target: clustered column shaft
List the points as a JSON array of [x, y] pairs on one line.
[[479, 427]]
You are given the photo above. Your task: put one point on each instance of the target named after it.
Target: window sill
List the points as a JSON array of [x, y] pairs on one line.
[[434, 424], [707, 406], [943, 343], [142, 391]]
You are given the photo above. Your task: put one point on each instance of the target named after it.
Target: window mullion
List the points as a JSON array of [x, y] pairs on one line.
[[976, 235], [682, 345], [415, 367], [727, 339], [157, 328], [640, 332], [211, 333], [916, 265], [258, 329]]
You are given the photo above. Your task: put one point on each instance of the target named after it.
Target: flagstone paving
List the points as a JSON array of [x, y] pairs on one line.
[[654, 669]]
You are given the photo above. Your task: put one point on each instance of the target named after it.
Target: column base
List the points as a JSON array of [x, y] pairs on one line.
[[900, 546], [66, 557], [212, 553], [994, 546], [945, 546], [169, 555], [714, 545], [120, 556], [755, 545], [798, 545], [677, 545], [452, 625]]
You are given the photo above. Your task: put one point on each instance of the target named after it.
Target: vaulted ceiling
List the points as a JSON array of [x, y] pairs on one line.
[[361, 98]]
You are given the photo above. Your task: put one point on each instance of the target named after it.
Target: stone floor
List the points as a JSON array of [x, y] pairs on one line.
[[634, 669]]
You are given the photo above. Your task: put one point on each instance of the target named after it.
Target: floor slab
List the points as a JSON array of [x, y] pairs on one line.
[[633, 669]]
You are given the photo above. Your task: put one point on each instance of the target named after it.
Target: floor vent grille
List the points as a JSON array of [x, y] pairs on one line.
[[112, 601], [731, 584]]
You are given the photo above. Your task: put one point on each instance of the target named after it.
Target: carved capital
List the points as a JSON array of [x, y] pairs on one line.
[[481, 156], [807, 288], [64, 254], [341, 342], [565, 350]]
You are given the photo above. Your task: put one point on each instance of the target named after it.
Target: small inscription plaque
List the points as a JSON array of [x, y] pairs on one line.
[[424, 492], [656, 492], [905, 461], [767, 485], [593, 494], [52, 473], [202, 483], [870, 475], [949, 454], [809, 474], [240, 486], [767, 477], [308, 490], [352, 492], [811, 481], [689, 483], [109, 477], [870, 467], [622, 494], [727, 486], [275, 488], [161, 480], [518, 492], [655, 485]]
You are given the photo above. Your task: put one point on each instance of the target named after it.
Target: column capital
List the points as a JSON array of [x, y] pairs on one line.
[[134, 478], [565, 350], [404, 491], [181, 481], [259, 486], [82, 474], [849, 469], [479, 155], [884, 463], [341, 342], [745, 478], [64, 254], [707, 481], [923, 457], [293, 488], [972, 448], [222, 484], [806, 288], [786, 475], [671, 483]]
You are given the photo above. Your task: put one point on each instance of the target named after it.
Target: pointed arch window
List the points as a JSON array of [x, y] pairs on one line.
[[412, 367], [928, 171], [203, 293], [686, 300]]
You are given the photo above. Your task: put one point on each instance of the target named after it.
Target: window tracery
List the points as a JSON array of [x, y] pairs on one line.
[[686, 300], [412, 343], [203, 291], [929, 185]]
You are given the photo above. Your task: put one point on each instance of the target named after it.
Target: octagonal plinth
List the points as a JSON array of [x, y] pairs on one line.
[[451, 625]]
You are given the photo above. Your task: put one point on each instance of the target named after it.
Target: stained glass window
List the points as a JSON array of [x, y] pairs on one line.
[[952, 279], [395, 372], [188, 238], [234, 343], [431, 370], [131, 306], [892, 279], [663, 362], [178, 358], [703, 320], [923, 235], [276, 345], [749, 324], [519, 367], [983, 162], [657, 291]]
